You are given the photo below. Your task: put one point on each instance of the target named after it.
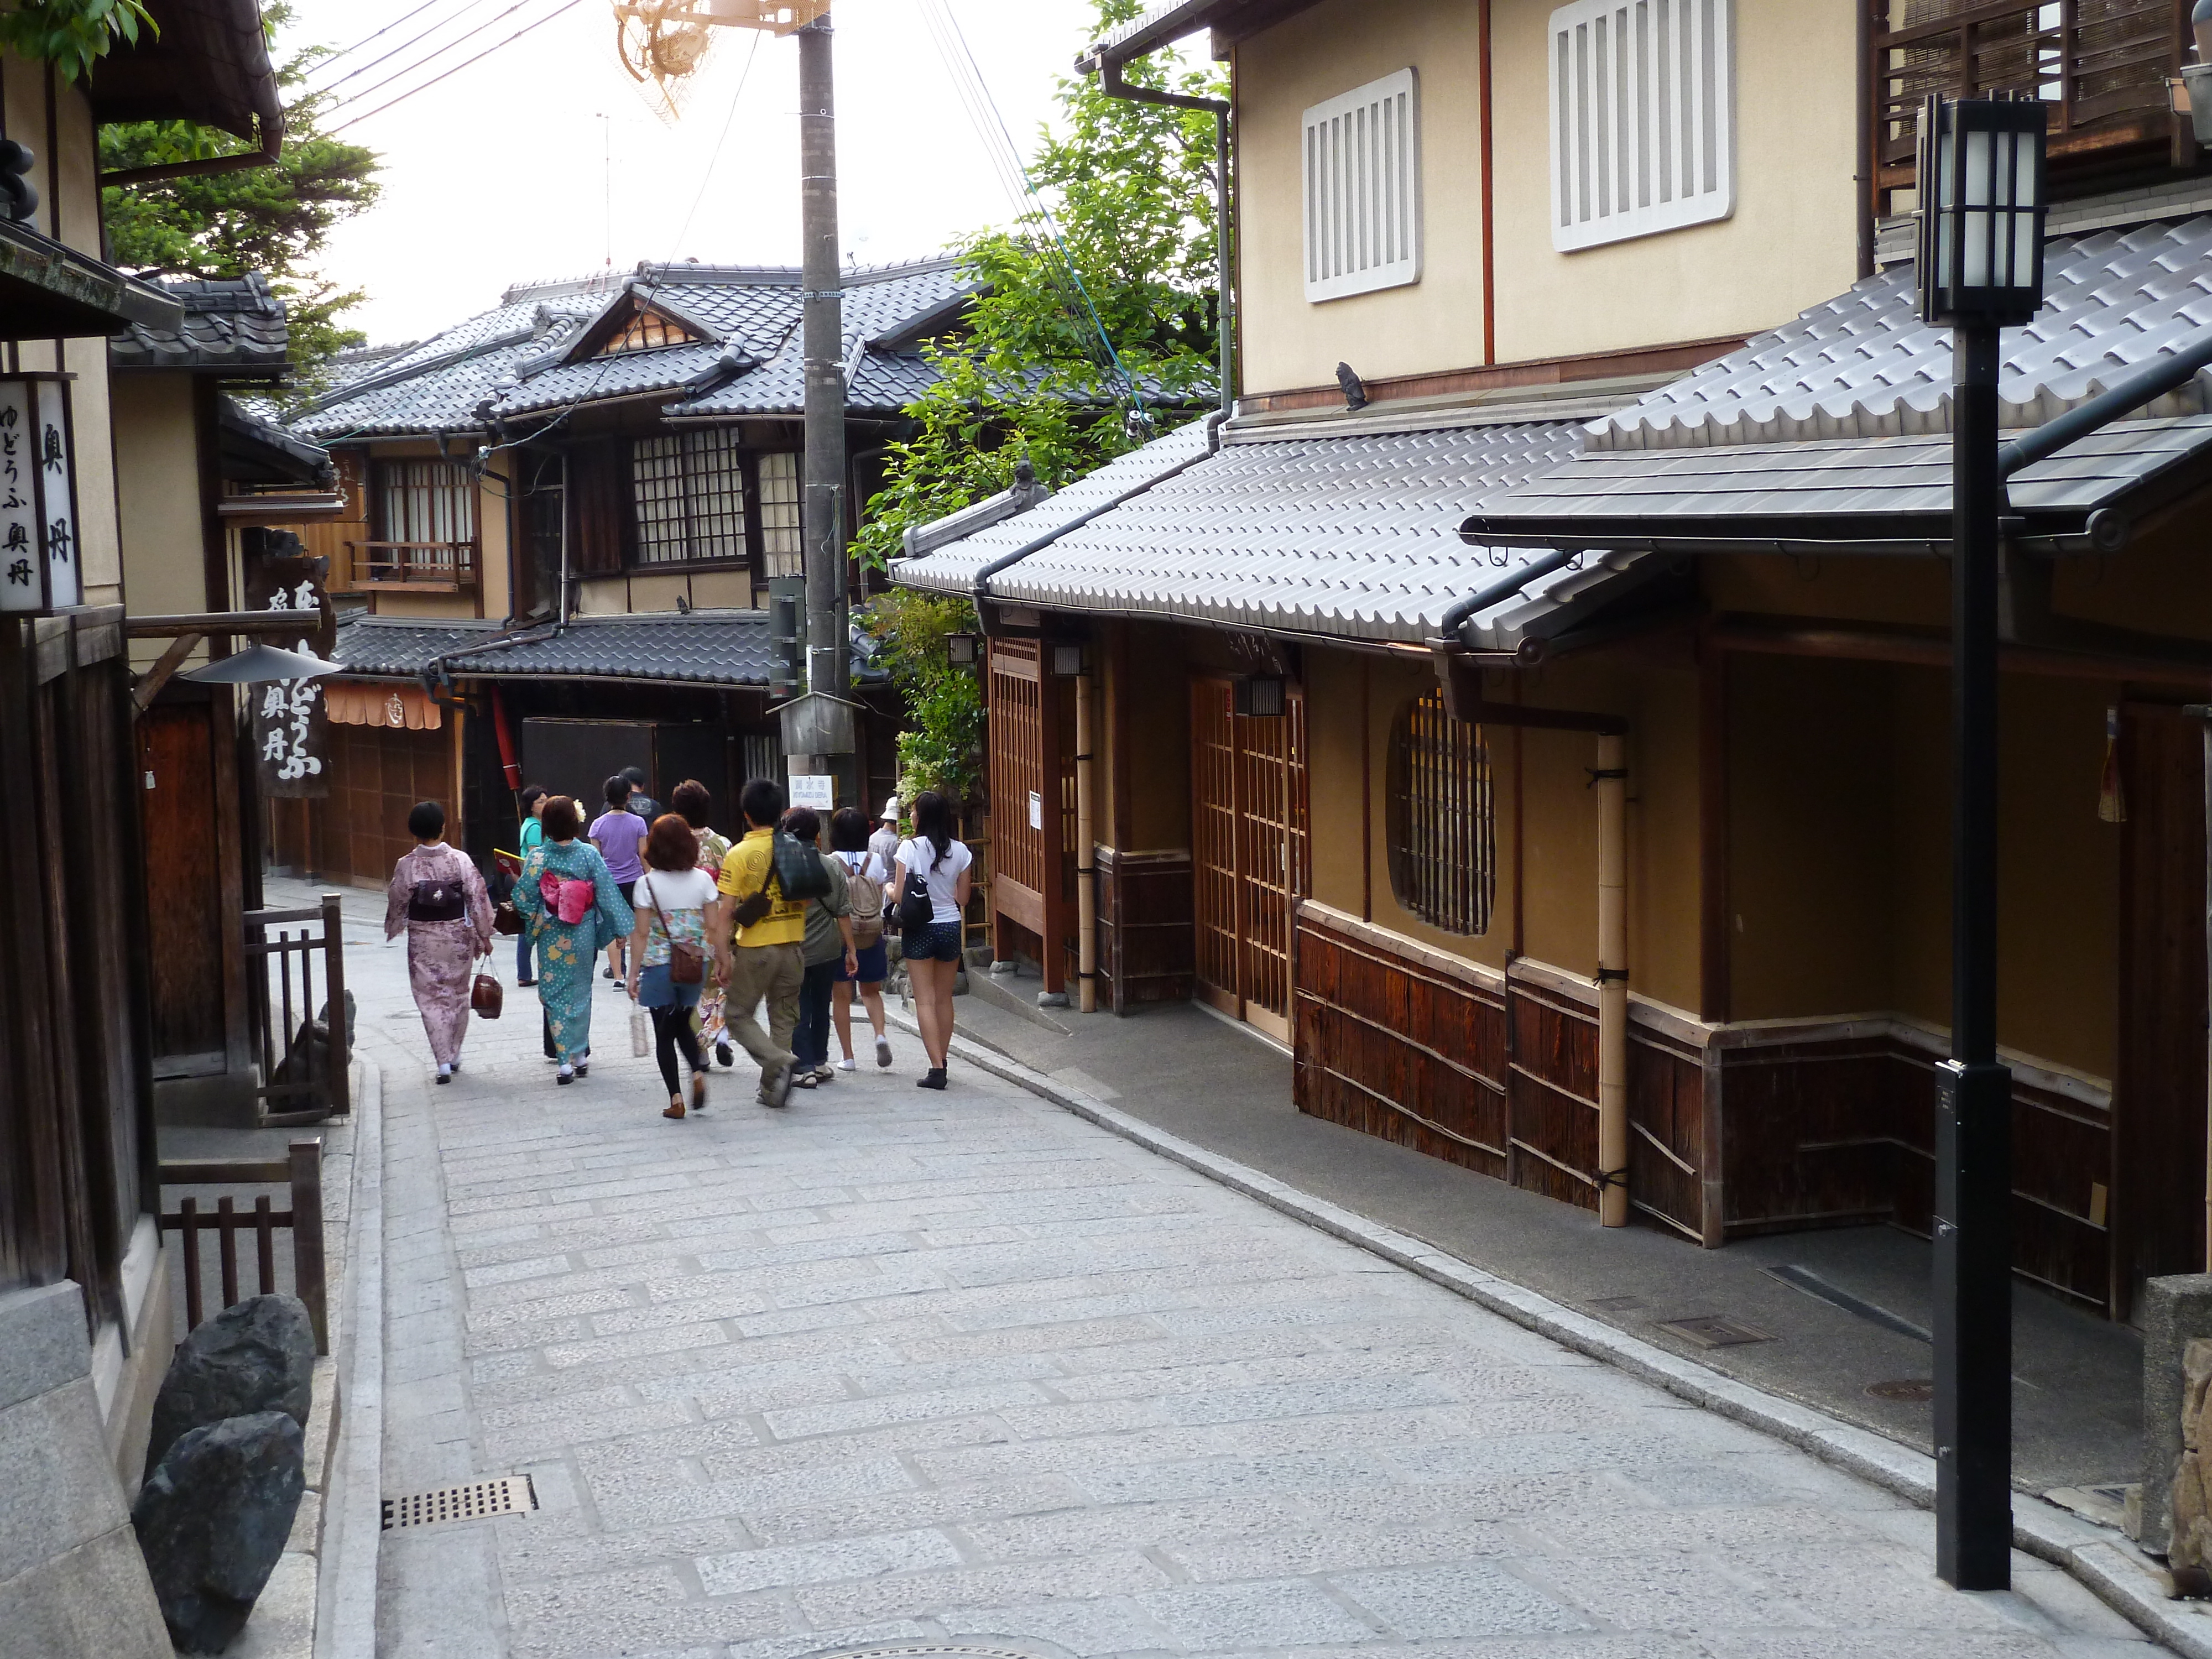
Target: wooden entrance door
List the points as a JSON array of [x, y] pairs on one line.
[[2159, 1096], [1250, 851], [1032, 819], [186, 769]]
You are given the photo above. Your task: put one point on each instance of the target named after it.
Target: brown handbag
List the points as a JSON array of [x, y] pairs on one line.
[[687, 962], [488, 997]]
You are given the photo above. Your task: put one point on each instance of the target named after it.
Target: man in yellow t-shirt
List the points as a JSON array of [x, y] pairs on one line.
[[768, 963]]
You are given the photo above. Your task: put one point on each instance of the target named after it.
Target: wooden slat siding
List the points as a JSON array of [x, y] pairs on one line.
[[1146, 947], [1213, 843], [1666, 1119], [377, 773], [1395, 1050], [1251, 851], [1552, 1095], [1840, 1132], [1026, 880]]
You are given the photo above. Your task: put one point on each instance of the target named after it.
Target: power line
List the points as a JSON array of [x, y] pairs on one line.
[[468, 6], [567, 6], [367, 41]]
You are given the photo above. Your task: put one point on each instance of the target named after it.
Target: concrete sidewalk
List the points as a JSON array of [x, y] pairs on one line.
[[892, 1366], [2077, 1402]]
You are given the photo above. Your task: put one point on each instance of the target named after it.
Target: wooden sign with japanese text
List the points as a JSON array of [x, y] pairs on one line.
[[291, 724]]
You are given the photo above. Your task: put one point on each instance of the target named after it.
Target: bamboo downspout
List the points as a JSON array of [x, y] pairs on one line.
[[1611, 781], [1086, 875]]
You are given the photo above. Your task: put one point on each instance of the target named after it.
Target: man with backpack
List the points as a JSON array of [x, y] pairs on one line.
[[760, 931]]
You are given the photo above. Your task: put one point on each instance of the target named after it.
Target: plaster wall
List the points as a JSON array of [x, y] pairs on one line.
[[1791, 241], [157, 492]]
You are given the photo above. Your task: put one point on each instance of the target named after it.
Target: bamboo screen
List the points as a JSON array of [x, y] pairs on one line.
[[690, 495], [1442, 819]]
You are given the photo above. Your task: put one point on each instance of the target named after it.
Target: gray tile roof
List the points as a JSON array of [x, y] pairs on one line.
[[509, 360], [1863, 365], [1868, 491], [1350, 534], [235, 325], [705, 648], [698, 647]]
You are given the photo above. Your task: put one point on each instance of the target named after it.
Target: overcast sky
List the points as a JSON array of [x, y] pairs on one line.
[[498, 175]]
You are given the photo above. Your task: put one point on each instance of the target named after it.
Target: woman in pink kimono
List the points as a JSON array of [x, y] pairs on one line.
[[439, 898]]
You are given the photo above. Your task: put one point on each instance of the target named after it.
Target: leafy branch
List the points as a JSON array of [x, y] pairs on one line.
[[73, 35]]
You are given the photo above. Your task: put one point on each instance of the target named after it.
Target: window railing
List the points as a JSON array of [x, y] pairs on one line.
[[425, 566], [2100, 64]]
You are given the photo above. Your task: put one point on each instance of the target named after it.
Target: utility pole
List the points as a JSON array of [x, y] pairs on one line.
[[822, 525]]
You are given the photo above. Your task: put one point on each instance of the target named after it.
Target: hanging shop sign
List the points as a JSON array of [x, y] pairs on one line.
[[40, 567], [291, 720]]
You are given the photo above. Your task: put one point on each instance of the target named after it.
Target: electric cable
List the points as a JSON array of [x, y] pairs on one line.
[[331, 57], [351, 121], [467, 7]]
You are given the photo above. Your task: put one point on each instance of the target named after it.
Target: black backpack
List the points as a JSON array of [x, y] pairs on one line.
[[799, 872], [916, 910]]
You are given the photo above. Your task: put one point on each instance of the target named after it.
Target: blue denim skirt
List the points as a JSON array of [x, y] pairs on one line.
[[656, 990]]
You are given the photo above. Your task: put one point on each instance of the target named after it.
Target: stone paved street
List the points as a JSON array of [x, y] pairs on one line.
[[892, 1367]]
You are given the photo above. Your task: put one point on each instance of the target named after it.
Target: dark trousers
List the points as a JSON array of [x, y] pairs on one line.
[[811, 1041], [671, 1031], [522, 974]]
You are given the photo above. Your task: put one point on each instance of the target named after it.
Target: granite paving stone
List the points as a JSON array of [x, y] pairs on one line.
[[967, 1368]]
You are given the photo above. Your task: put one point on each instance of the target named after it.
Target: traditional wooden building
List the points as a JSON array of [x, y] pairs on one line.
[[567, 515], [1549, 655], [85, 1316]]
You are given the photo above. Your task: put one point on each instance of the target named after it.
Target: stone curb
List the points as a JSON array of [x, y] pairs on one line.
[[2103, 1560], [353, 1518]]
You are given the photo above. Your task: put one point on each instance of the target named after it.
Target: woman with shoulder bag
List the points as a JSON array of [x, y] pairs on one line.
[[575, 912], [439, 898], [932, 877], [668, 952], [868, 881]]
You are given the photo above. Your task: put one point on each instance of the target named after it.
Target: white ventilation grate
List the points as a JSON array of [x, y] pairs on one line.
[[1363, 176], [1643, 119], [505, 1494]]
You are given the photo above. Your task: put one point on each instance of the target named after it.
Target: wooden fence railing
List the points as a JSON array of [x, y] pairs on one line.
[[305, 1046], [302, 1171]]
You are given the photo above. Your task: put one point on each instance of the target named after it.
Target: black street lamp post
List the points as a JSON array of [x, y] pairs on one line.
[[1980, 269]]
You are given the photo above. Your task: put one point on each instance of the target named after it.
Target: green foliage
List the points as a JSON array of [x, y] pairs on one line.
[[942, 748], [72, 34], [274, 219], [1131, 187]]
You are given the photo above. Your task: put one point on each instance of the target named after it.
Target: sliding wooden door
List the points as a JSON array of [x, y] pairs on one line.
[[1250, 851]]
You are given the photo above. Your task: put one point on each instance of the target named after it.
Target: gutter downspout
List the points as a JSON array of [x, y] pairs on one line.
[[980, 589], [1611, 779], [1086, 871], [272, 147], [1111, 83]]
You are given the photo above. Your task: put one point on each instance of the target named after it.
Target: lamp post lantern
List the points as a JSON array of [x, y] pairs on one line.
[[1980, 269]]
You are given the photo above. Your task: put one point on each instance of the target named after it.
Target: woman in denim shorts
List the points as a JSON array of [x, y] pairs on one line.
[[940, 862]]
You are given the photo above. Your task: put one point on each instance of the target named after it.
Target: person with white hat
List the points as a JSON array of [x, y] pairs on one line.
[[883, 846]]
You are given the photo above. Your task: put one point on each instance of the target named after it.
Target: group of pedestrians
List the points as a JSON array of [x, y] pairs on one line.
[[705, 934]]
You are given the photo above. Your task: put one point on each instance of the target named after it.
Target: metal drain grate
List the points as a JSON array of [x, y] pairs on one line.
[[505, 1494], [1711, 1331]]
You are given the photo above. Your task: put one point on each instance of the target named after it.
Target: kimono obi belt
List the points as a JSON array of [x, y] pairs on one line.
[[571, 901]]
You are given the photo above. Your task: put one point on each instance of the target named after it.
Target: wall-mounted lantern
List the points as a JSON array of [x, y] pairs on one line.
[[40, 567], [1262, 697], [1066, 660], [964, 650]]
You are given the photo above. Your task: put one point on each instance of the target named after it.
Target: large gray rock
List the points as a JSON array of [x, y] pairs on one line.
[[258, 1356], [213, 1519], [2175, 1310]]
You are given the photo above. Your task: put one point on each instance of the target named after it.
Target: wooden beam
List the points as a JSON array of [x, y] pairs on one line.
[[148, 684], [223, 621], [1783, 637]]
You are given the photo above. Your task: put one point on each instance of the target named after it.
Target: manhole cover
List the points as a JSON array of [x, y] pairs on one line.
[[1711, 1331], [505, 1494], [1902, 1387]]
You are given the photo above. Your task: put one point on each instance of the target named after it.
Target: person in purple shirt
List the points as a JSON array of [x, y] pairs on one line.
[[620, 835]]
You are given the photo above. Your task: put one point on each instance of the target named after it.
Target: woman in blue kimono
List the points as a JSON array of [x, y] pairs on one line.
[[566, 950]]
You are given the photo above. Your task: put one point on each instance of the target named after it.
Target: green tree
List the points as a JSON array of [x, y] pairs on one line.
[[274, 219], [1131, 190], [72, 34]]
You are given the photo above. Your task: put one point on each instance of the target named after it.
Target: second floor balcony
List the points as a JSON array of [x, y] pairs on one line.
[[410, 567], [2101, 66]]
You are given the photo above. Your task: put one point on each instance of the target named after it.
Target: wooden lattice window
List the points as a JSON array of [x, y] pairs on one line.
[[1442, 819], [647, 329], [688, 491], [781, 550], [424, 504]]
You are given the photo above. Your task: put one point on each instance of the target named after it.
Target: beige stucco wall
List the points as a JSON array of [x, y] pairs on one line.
[[157, 499], [1791, 242]]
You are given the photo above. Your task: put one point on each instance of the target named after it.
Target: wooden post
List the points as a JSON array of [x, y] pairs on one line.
[[308, 1278], [1086, 873], [1612, 981], [226, 1221], [264, 1245], [341, 1067], [188, 1216]]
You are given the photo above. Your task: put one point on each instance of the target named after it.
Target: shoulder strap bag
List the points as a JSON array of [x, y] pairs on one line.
[[687, 962]]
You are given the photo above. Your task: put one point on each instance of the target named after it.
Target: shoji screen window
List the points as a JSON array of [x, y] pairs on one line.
[[688, 491], [1363, 183], [1643, 119], [781, 550]]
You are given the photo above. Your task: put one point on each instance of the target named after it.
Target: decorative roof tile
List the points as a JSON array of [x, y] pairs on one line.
[[232, 324]]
